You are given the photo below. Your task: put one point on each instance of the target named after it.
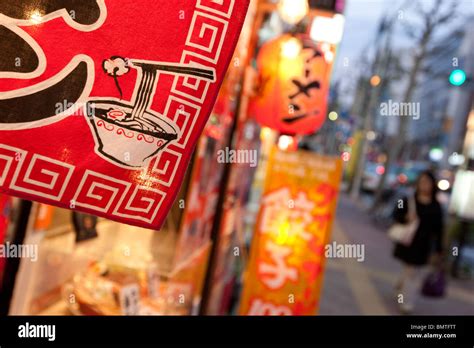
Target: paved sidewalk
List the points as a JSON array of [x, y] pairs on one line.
[[364, 288]]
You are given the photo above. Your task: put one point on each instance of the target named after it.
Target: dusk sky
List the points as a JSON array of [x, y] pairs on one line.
[[361, 22], [362, 18]]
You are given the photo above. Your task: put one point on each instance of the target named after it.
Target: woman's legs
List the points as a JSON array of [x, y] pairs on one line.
[[409, 286]]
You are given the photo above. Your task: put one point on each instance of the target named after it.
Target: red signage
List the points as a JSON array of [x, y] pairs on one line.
[[102, 102]]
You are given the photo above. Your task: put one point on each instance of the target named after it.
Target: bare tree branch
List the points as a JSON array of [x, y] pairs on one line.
[[431, 20]]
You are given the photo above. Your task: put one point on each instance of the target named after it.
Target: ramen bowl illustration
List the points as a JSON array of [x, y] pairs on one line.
[[130, 133]]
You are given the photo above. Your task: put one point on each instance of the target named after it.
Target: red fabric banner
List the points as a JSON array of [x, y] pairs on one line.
[[102, 102]]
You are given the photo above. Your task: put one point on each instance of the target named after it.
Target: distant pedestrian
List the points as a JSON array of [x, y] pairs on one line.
[[427, 238]]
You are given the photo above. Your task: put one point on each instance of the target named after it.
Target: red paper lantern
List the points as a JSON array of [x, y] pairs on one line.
[[293, 85]]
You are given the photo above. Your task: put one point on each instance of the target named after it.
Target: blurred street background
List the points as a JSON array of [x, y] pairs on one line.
[[400, 51], [336, 121]]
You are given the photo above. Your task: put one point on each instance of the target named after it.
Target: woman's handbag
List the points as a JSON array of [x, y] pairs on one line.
[[434, 284], [404, 233]]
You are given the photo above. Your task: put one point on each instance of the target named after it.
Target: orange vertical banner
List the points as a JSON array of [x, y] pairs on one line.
[[284, 275]]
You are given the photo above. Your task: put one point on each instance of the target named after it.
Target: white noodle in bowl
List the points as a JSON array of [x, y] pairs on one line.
[[127, 140]]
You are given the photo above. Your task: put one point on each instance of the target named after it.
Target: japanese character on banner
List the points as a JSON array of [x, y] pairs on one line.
[[280, 209], [326, 194], [272, 215], [301, 215], [275, 275]]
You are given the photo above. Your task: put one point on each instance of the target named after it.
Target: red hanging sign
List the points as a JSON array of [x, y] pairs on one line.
[[293, 87], [102, 102]]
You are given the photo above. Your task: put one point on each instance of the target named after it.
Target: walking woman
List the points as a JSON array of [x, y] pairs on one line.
[[427, 238]]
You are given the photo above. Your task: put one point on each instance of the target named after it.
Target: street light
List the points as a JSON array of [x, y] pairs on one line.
[[436, 154], [371, 135], [293, 11], [457, 77], [333, 116], [443, 185], [375, 80]]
